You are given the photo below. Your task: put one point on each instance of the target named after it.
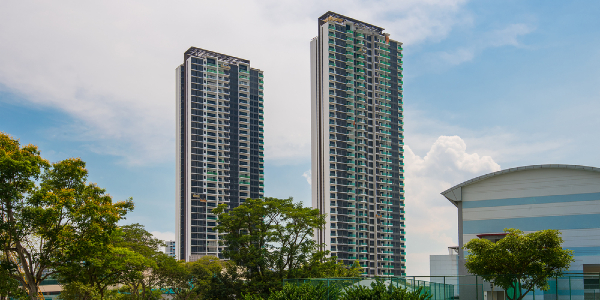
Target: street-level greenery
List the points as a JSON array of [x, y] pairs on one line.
[[376, 290], [50, 216], [272, 239], [55, 224], [519, 262]]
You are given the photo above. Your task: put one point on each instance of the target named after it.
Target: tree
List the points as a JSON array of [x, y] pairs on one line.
[[136, 256], [214, 278], [92, 278], [50, 215], [519, 262], [270, 238], [175, 276], [9, 287]]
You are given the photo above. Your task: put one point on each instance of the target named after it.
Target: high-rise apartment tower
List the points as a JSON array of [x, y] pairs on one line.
[[219, 144], [357, 143]]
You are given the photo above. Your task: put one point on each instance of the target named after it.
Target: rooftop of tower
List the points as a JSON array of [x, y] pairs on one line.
[[324, 18], [199, 52]]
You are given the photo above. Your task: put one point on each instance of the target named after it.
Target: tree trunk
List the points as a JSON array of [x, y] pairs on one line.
[[523, 295], [32, 290]]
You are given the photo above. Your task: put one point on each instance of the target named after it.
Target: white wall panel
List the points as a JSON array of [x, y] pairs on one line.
[[533, 183]]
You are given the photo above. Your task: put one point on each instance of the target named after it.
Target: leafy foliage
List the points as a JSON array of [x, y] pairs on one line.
[[272, 239], [377, 290], [50, 215], [131, 259], [9, 287], [519, 261], [305, 291]]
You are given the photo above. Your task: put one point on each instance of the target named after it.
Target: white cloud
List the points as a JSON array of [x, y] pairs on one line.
[[165, 236], [308, 177], [507, 36], [432, 220], [111, 65]]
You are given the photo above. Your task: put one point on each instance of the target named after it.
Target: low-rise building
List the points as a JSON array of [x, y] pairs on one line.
[[533, 198]]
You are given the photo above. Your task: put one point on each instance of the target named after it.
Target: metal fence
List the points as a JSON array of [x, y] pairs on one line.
[[571, 286]]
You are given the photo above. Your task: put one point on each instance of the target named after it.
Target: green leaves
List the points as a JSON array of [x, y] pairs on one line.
[[269, 234], [377, 290], [519, 261], [51, 216], [272, 239]]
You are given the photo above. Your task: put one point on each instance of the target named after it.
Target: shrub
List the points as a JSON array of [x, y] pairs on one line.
[[304, 291], [380, 291]]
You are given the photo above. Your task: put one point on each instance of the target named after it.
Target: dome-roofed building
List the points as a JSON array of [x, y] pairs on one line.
[[532, 198]]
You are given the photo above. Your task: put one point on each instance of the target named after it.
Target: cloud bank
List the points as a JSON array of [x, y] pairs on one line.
[[431, 221], [110, 65]]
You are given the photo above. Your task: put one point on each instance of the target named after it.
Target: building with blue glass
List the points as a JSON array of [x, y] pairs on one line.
[[219, 145], [533, 198]]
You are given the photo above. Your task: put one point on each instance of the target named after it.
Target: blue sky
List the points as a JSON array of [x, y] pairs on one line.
[[489, 85]]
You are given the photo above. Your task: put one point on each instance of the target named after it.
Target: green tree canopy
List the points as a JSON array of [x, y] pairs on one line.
[[519, 262], [131, 259], [50, 215], [272, 239]]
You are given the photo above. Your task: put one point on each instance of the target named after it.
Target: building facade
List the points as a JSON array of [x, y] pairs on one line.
[[170, 248], [533, 198], [219, 144], [357, 143], [444, 268]]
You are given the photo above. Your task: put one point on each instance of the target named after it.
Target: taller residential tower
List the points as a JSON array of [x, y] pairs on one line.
[[357, 143], [219, 145]]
